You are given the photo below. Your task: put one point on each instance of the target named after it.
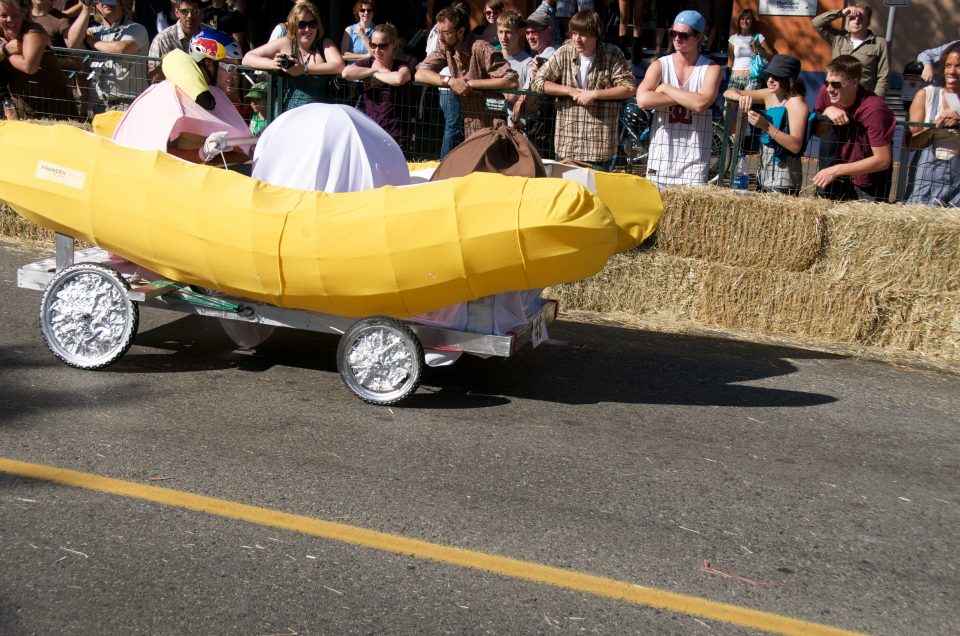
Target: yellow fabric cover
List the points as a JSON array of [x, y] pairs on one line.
[[395, 251], [105, 123], [179, 68]]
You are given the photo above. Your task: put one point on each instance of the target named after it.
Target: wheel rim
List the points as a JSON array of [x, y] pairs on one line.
[[87, 318], [381, 362]]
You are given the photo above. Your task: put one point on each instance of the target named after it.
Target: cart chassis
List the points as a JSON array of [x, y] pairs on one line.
[[40, 274]]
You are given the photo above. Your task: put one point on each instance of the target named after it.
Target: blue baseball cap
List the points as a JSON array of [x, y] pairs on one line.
[[692, 19]]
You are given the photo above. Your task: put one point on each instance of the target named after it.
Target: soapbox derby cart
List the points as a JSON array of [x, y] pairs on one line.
[[312, 248]]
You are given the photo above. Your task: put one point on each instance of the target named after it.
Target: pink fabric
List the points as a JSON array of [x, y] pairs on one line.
[[163, 112]]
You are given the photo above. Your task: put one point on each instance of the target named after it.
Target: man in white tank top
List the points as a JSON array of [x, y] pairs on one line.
[[680, 88]]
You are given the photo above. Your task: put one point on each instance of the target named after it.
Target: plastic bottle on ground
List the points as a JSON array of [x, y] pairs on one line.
[[741, 177], [9, 110]]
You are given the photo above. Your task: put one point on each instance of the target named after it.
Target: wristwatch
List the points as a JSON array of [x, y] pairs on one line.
[[3, 49]]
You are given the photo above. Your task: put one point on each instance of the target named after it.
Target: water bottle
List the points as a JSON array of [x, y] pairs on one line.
[[9, 110], [741, 178]]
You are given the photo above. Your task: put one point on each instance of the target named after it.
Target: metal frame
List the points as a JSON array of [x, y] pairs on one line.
[[37, 276]]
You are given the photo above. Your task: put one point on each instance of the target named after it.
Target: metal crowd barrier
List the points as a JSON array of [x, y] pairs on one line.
[[84, 83], [903, 182]]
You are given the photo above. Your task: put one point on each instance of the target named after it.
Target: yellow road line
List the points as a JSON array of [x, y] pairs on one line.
[[599, 586]]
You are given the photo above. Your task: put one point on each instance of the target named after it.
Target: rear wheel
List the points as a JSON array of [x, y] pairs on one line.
[[86, 317], [380, 360]]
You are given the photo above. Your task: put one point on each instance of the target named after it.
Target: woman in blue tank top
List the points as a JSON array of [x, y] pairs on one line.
[[355, 44]]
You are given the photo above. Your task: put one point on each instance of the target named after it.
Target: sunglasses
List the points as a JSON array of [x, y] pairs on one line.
[[188, 11], [683, 36], [836, 85], [364, 10], [307, 24], [491, 13], [381, 46]]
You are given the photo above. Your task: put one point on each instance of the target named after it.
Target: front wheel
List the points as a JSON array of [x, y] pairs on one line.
[[86, 317], [380, 360]]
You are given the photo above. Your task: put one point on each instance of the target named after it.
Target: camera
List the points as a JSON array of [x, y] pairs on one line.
[[89, 3], [286, 61], [541, 60]]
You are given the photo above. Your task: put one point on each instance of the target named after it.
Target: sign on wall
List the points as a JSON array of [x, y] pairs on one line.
[[788, 7]]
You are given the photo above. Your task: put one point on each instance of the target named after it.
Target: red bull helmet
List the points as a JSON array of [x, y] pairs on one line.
[[215, 45]]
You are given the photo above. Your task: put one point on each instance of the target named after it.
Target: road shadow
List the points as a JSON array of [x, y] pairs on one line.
[[583, 363]]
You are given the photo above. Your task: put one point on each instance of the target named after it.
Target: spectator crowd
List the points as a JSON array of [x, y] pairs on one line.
[[549, 74]]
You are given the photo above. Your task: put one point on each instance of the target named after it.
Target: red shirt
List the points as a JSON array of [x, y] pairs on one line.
[[871, 126]]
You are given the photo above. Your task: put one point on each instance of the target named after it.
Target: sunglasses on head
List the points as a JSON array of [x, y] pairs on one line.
[[382, 45], [307, 24], [683, 36]]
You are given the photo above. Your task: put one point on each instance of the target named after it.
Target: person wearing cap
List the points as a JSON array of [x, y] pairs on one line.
[[589, 78], [545, 16], [539, 34], [860, 42], [783, 124], [857, 164], [117, 83], [680, 88], [539, 115], [257, 96]]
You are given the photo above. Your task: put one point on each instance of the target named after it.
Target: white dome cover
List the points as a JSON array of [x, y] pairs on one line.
[[328, 147]]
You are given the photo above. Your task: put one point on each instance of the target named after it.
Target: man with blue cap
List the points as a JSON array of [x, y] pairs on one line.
[[680, 88]]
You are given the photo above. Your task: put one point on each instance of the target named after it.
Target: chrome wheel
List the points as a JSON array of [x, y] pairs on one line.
[[86, 317], [380, 360]]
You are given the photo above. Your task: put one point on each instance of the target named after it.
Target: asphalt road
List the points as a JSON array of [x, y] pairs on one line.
[[816, 487]]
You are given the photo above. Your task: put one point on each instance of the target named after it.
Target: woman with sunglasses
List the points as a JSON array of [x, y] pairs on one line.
[[355, 44], [306, 57], [487, 31], [783, 125], [385, 99], [935, 168]]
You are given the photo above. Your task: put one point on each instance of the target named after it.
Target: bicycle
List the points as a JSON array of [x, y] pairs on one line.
[[634, 144]]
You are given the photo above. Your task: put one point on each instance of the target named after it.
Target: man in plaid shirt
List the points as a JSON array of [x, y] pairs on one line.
[[590, 80]]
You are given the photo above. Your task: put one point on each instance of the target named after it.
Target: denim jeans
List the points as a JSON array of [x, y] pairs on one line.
[[452, 121]]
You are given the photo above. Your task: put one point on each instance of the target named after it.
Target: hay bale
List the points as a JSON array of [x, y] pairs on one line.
[[746, 230], [925, 322], [15, 226], [639, 283], [788, 303], [913, 247]]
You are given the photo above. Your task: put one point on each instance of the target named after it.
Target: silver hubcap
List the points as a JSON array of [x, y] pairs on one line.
[[380, 361], [88, 316]]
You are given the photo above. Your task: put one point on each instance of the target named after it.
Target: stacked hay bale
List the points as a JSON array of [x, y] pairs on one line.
[[883, 276]]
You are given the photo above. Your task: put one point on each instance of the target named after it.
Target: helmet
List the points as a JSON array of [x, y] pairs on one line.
[[214, 45]]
